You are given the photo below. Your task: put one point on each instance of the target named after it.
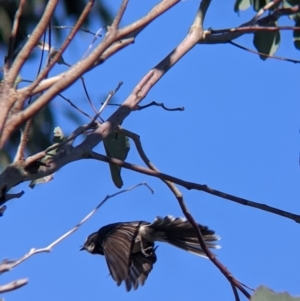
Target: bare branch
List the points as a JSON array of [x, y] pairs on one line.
[[31, 43], [263, 54], [153, 103], [75, 107], [76, 71], [177, 193], [264, 9], [13, 36], [13, 285], [117, 20], [274, 16], [8, 265], [250, 29], [142, 88], [61, 50], [199, 19], [196, 186], [108, 99], [71, 27], [231, 35]]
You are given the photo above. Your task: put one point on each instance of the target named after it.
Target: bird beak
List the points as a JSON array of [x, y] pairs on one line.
[[83, 248]]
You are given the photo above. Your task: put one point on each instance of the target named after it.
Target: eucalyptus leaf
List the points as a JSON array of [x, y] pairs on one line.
[[242, 5], [266, 42], [265, 294], [116, 146], [57, 138]]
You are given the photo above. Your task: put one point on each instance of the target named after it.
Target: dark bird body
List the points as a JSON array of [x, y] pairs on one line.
[[129, 247]]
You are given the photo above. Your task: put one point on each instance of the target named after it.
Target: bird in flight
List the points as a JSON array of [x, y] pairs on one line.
[[129, 247]]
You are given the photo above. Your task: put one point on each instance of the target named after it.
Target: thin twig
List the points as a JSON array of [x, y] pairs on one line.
[[71, 27], [6, 266], [264, 9], [235, 292], [87, 95], [153, 103], [108, 98], [75, 107], [263, 54], [192, 185], [80, 130], [13, 35], [250, 29]]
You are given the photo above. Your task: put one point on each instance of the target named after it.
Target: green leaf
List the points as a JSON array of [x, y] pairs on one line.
[[116, 146], [57, 138], [265, 294], [258, 4], [296, 35], [266, 42], [242, 5], [292, 2]]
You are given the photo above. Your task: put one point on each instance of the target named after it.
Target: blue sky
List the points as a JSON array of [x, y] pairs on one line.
[[239, 134]]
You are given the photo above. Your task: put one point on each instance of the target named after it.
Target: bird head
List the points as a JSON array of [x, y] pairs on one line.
[[91, 244]]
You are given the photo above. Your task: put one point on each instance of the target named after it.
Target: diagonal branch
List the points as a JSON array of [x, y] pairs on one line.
[[6, 265], [13, 36], [195, 186], [263, 54], [87, 64], [234, 283], [31, 43], [13, 285]]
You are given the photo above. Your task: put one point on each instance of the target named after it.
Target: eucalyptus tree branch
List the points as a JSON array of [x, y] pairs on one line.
[[28, 170], [255, 24], [21, 58], [78, 70], [59, 52], [268, 6], [250, 29], [152, 103], [13, 36], [195, 186], [4, 288], [177, 193], [278, 13], [47, 83], [276, 57]]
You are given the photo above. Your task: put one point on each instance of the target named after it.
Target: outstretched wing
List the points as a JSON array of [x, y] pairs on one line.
[[139, 270], [133, 268], [117, 247]]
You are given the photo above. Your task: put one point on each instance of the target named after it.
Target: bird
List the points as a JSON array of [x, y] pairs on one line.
[[129, 248]]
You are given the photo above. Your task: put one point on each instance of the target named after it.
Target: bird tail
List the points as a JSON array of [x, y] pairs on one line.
[[180, 233]]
